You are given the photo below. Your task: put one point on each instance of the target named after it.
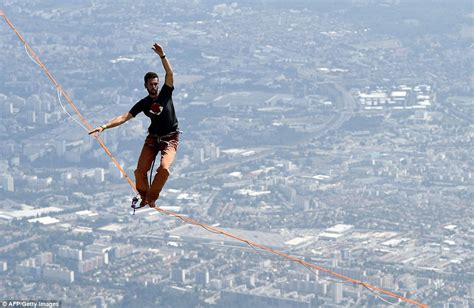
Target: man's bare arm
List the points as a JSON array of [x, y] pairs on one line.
[[166, 64], [112, 123]]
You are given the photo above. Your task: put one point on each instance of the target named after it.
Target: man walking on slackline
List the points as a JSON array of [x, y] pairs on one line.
[[163, 133]]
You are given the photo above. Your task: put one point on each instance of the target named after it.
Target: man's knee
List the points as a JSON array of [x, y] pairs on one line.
[[142, 168], [140, 171], [164, 169]]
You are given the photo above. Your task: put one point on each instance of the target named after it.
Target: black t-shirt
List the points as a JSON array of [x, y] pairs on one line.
[[160, 110]]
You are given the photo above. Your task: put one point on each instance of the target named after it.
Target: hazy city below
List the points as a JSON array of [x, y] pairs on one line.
[[338, 132]]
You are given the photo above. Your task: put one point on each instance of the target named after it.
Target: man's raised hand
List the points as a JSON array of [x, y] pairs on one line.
[[158, 49]]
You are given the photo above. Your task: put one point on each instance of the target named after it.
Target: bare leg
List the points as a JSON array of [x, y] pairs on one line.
[[168, 153], [147, 155]]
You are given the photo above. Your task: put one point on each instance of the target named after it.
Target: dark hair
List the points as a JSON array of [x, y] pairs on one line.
[[150, 75]]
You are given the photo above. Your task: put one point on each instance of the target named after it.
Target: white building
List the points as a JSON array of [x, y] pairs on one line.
[[7, 182], [58, 274]]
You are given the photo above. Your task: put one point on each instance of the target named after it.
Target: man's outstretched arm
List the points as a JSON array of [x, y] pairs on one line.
[[112, 123], [166, 64]]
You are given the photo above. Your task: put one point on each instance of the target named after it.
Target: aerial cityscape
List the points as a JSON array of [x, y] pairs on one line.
[[337, 132]]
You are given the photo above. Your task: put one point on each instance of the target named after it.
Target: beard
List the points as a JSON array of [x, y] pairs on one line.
[[152, 92]]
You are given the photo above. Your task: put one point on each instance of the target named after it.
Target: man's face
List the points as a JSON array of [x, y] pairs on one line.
[[152, 86]]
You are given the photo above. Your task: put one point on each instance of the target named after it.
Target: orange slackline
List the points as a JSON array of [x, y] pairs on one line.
[[191, 221]]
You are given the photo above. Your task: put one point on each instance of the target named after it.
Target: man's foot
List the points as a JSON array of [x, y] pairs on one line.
[[151, 204], [143, 203]]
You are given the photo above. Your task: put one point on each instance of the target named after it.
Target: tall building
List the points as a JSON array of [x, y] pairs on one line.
[[90, 264], [99, 175], [178, 275], [70, 253], [337, 293], [56, 273], [7, 182], [202, 278], [122, 251], [98, 249]]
